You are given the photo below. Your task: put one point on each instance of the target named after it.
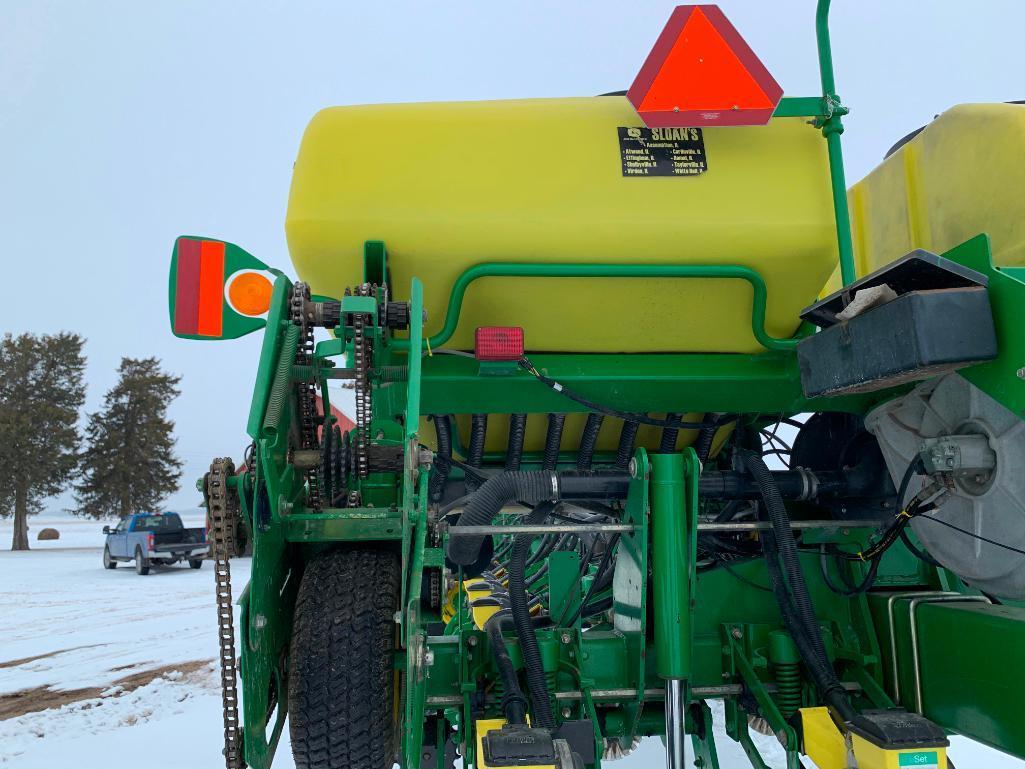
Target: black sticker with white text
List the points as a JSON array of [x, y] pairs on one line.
[[662, 151]]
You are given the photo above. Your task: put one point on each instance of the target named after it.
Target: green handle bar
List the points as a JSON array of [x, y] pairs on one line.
[[524, 270]]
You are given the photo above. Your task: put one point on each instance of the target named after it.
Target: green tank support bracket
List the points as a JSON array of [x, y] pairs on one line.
[[1002, 379]]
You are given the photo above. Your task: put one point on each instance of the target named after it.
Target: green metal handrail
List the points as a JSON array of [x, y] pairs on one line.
[[832, 127], [562, 270]]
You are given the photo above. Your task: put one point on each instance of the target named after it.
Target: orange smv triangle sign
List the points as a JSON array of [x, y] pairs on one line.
[[701, 72]]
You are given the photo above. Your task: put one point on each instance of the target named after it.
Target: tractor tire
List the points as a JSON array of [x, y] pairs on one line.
[[342, 711], [108, 562], [141, 563]]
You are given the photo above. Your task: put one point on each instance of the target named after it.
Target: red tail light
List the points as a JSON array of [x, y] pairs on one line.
[[499, 343], [149, 541]]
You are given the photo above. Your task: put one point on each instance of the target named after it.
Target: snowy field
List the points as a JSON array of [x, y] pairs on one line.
[[101, 668]]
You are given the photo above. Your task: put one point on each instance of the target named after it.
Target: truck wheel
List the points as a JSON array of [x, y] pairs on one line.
[[195, 563], [141, 564], [341, 686], [108, 562]]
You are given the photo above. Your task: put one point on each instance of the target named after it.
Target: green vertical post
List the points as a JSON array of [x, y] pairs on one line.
[[669, 556], [832, 127]]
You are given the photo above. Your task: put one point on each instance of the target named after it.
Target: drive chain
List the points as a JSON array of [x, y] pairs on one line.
[[223, 516]]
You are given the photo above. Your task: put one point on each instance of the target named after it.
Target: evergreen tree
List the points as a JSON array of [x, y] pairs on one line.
[[41, 393], [128, 465]]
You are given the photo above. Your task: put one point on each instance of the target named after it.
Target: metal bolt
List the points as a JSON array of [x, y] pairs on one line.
[[566, 638], [471, 641], [566, 712], [1021, 373], [259, 621], [429, 657], [737, 633], [725, 676]]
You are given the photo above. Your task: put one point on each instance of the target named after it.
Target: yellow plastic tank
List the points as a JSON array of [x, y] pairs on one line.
[[964, 174], [450, 185]]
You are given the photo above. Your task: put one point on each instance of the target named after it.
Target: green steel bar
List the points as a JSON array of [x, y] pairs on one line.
[[563, 270], [669, 554], [265, 370], [832, 127], [415, 342]]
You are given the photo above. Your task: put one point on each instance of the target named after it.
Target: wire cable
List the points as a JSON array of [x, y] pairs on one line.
[[627, 416]]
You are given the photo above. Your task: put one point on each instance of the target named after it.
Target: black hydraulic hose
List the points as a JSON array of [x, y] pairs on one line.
[[443, 431], [475, 450], [627, 438], [588, 440], [801, 621], [517, 429], [599, 577], [514, 703], [524, 625], [669, 435], [787, 548], [852, 589], [553, 440], [821, 671]]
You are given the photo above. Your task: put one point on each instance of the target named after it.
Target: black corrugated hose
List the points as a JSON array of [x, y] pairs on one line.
[[703, 444], [517, 429], [514, 703], [496, 492], [553, 440], [588, 440], [669, 434], [475, 450], [443, 431], [627, 438], [791, 591], [524, 625]]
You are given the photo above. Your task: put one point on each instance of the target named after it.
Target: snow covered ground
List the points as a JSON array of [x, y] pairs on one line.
[[110, 667]]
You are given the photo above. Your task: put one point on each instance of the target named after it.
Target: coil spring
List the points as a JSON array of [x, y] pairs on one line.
[[788, 695]]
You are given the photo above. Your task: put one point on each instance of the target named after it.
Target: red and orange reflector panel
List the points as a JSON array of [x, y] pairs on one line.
[[200, 281], [701, 72], [499, 343], [217, 290]]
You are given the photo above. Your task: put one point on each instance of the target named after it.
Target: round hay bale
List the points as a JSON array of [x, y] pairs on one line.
[[48, 534]]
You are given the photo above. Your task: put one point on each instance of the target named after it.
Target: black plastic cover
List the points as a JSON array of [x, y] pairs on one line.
[[915, 336], [518, 745], [896, 728], [918, 271]]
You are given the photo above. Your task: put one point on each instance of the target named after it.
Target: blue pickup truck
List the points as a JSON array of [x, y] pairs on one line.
[[153, 538]]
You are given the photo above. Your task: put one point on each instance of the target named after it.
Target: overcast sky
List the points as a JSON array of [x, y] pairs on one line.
[[124, 124]]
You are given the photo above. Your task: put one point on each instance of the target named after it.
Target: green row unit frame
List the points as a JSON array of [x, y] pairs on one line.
[[718, 640]]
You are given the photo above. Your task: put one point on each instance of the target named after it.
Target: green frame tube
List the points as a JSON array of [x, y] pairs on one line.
[[669, 554], [832, 127]]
